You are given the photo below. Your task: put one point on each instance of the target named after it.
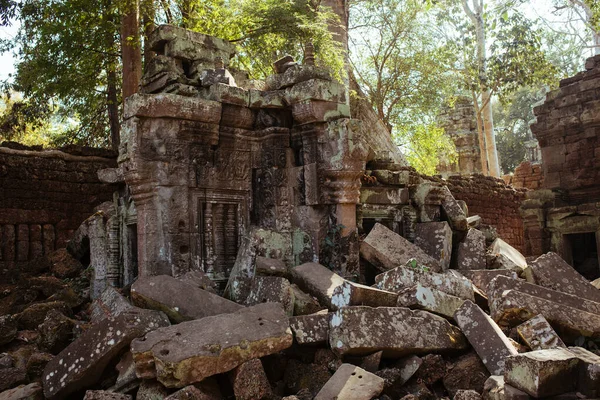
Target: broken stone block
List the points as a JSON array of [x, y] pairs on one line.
[[470, 253], [56, 332], [371, 362], [271, 267], [272, 289], [551, 271], [206, 390], [304, 304], [82, 362], [311, 329], [435, 238], [384, 195], [538, 334], [490, 343], [432, 369], [588, 381], [327, 358], [200, 280], [191, 351], [127, 379], [355, 294], [318, 281], [396, 331], [399, 374], [482, 277], [493, 388], [351, 382], [151, 390], [8, 329], [105, 395], [386, 250], [513, 257], [467, 373], [466, 395], [429, 299], [453, 212], [542, 373], [110, 303], [35, 314], [33, 391], [250, 381], [282, 65], [403, 277], [163, 293]]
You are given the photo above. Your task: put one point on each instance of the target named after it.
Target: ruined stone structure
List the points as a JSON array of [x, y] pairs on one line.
[[528, 175], [563, 215], [44, 196], [460, 124]]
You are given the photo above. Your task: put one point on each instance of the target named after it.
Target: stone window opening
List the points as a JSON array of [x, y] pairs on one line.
[[581, 252]]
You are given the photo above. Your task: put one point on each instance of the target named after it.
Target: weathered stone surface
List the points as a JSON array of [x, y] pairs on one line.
[[470, 253], [250, 381], [432, 369], [435, 238], [127, 378], [11, 377], [111, 303], [588, 381], [164, 293], [485, 336], [271, 267], [272, 289], [404, 277], [551, 271], [151, 390], [351, 382], [305, 379], [542, 373], [200, 280], [172, 106], [514, 301], [311, 329], [191, 351], [355, 294], [35, 314], [83, 361], [304, 304], [196, 392], [63, 265], [453, 212], [384, 195], [493, 388], [482, 277], [105, 395], [33, 391], [466, 395], [466, 373], [316, 89], [429, 299], [386, 250], [8, 329], [371, 362], [500, 248], [538, 334], [395, 331], [318, 281], [56, 332]]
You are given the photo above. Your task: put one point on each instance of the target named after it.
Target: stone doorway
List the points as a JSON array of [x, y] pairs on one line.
[[581, 250]]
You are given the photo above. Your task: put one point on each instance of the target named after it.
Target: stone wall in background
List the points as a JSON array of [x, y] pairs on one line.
[[527, 175], [44, 196], [496, 203]]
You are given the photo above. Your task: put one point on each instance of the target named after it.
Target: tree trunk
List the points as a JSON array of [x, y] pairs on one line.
[[113, 108], [339, 31], [480, 137], [148, 13], [131, 49], [490, 136]]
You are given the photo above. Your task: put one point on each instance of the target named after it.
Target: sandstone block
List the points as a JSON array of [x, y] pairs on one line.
[[490, 343], [493, 388], [33, 391], [470, 253], [250, 381], [271, 267], [468, 372], [588, 381], [317, 281], [500, 248], [551, 271], [429, 299], [82, 362], [435, 238], [538, 334], [105, 395], [172, 106], [466, 395], [482, 277], [355, 294], [311, 329], [542, 373], [404, 277], [453, 212], [351, 382], [384, 195], [191, 351], [8, 329], [386, 250], [207, 390], [304, 304], [396, 331], [512, 393], [164, 293], [199, 279], [111, 303], [272, 289]]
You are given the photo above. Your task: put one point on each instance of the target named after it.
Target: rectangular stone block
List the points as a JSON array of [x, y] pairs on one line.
[[396, 331], [538, 334], [311, 329], [384, 195], [404, 277], [351, 382], [22, 242], [318, 281], [486, 337], [482, 277], [429, 299], [386, 250], [542, 373], [551, 271], [516, 260], [435, 238], [355, 294], [264, 289], [470, 253], [588, 381]]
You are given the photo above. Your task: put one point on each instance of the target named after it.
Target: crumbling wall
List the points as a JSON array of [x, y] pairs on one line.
[[528, 175], [496, 203], [44, 197]]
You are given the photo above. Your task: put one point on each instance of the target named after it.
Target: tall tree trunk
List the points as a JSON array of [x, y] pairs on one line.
[[113, 108], [148, 14], [339, 31], [490, 136], [130, 48], [480, 136]]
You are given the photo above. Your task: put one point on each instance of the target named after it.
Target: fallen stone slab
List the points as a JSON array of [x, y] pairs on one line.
[[200, 280], [386, 250], [371, 362], [355, 294], [588, 380], [538, 334], [304, 303], [351, 382], [110, 303], [453, 212], [311, 329], [191, 351], [272, 289], [429, 299], [105, 395], [542, 373], [467, 372], [82, 362], [318, 281], [164, 293], [500, 248], [551, 271], [482, 277], [250, 382], [403, 277], [470, 253], [271, 267], [493, 388], [33, 391], [435, 238], [486, 337], [396, 331]]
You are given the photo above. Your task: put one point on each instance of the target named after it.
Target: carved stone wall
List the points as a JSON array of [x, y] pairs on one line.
[[44, 196]]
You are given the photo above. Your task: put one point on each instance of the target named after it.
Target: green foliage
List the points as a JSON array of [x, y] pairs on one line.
[[427, 147]]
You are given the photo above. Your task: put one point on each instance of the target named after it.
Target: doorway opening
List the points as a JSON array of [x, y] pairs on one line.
[[584, 254]]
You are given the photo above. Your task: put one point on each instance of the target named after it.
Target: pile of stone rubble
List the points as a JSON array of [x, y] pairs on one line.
[[421, 330]]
